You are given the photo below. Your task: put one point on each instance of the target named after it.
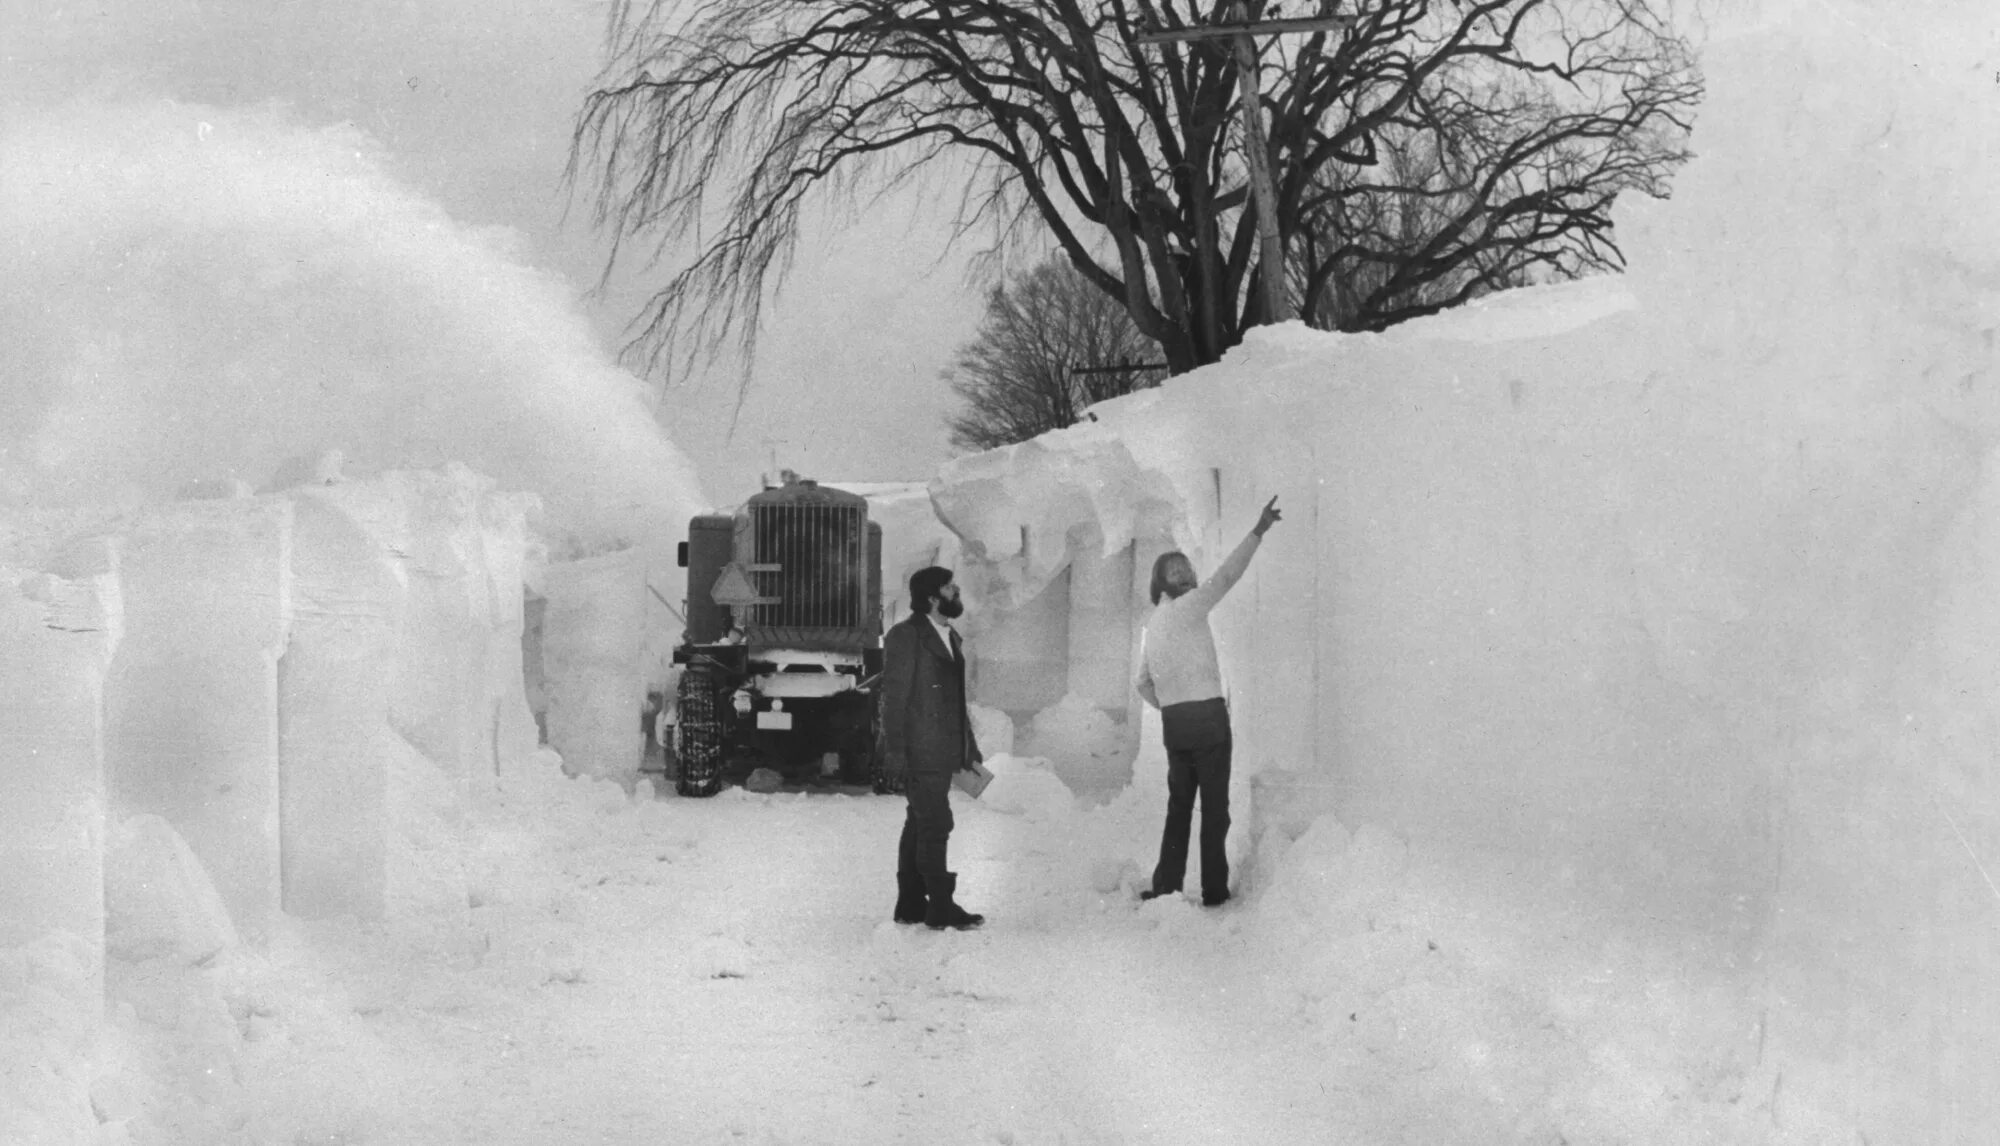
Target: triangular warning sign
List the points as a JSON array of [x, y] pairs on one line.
[[733, 588]]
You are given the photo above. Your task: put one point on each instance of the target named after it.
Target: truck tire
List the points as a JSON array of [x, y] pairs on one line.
[[700, 750]]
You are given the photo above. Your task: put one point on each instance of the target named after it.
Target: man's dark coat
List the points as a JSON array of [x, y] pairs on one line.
[[925, 724]]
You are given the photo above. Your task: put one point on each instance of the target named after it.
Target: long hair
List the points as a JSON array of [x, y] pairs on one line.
[[1161, 566]]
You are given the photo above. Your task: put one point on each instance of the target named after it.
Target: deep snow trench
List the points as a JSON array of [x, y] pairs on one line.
[[658, 970]]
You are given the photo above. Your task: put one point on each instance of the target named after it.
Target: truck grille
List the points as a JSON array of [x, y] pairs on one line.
[[820, 555]]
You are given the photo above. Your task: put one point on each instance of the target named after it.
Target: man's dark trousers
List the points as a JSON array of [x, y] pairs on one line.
[[1198, 743], [926, 824]]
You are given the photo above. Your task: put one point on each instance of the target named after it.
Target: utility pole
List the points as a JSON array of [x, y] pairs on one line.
[[1241, 29]]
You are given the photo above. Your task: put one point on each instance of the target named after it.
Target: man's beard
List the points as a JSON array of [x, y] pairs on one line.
[[949, 607]]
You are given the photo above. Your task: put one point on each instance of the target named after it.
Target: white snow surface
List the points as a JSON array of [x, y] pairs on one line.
[[1664, 602], [1615, 747], [654, 969]]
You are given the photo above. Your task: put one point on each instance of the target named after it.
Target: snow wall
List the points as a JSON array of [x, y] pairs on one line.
[[216, 299], [222, 711], [1669, 599], [1033, 668], [249, 669], [264, 625]]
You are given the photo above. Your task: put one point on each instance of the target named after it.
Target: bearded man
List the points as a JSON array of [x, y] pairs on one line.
[[927, 737]]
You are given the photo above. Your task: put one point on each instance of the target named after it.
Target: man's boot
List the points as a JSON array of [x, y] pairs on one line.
[[943, 911], [911, 904]]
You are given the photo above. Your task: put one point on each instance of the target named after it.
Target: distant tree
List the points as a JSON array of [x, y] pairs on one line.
[[1019, 376], [717, 122]]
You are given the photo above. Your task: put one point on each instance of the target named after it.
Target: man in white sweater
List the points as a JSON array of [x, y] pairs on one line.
[[1178, 675]]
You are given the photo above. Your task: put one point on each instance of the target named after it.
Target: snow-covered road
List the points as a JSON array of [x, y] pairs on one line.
[[724, 971], [663, 970]]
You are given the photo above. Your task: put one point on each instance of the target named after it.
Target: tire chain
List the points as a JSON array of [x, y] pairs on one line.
[[700, 748]]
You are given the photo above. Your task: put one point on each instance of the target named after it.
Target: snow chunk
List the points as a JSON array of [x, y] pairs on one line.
[[159, 901], [1332, 878], [1085, 746], [1109, 876], [993, 729], [1026, 786]]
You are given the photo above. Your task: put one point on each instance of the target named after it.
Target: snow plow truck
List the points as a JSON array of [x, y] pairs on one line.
[[783, 643]]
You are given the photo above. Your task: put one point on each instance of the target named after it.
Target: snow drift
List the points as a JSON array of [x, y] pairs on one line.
[[1663, 603], [1614, 709], [235, 712], [264, 626], [206, 301]]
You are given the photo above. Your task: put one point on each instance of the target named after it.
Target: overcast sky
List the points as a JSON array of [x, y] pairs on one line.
[[472, 100]]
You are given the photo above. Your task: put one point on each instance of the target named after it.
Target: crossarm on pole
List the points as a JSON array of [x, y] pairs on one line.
[[1255, 28]]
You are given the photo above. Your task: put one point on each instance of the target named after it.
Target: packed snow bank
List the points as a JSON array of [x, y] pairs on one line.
[[1670, 596], [594, 638], [202, 302], [232, 714], [57, 637], [261, 658], [203, 294]]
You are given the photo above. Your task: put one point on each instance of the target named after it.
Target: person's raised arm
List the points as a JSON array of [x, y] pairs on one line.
[[1208, 593]]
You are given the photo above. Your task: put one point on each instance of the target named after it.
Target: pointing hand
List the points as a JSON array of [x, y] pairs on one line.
[[1269, 517]]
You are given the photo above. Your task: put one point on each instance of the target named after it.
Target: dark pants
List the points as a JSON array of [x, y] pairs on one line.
[[926, 825], [1198, 742]]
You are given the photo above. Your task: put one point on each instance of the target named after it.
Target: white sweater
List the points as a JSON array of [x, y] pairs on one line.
[[1177, 660]]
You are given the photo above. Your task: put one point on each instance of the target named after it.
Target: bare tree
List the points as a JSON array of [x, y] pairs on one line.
[[1359, 239], [713, 127], [1050, 344], [1448, 213]]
